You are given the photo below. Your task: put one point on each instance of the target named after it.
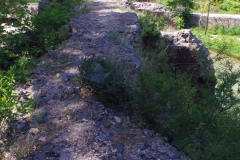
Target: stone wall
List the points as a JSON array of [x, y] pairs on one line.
[[216, 19]]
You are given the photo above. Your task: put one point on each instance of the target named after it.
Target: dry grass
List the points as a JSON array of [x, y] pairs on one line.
[[23, 147]]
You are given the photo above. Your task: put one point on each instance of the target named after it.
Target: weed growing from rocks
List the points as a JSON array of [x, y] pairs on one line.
[[109, 81], [151, 26], [113, 35], [84, 10]]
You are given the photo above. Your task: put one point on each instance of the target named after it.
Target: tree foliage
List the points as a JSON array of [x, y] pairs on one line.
[[180, 3]]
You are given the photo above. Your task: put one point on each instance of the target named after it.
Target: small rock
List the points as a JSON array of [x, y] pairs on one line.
[[120, 31], [57, 96], [42, 139], [118, 119], [58, 151], [59, 55], [105, 138], [84, 120], [69, 90], [58, 75], [65, 78], [117, 129], [22, 127], [109, 137], [77, 61], [101, 138], [148, 154], [99, 118], [109, 112], [143, 147], [41, 118], [34, 131], [120, 148], [99, 128], [148, 133], [48, 97], [50, 154], [134, 44]]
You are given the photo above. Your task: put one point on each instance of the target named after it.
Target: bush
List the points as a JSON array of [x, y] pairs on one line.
[[221, 30], [203, 124], [230, 5], [51, 26], [35, 35], [180, 22], [10, 107], [164, 96], [151, 26], [69, 3], [221, 44], [109, 81]]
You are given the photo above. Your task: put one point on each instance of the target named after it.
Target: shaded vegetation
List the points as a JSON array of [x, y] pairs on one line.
[[202, 129], [109, 81]]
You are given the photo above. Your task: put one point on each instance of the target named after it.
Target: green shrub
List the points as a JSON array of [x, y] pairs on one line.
[[114, 37], [8, 99], [165, 97], [221, 30], [69, 3], [203, 123], [181, 8], [35, 35], [44, 32], [51, 26], [231, 5], [180, 22], [221, 44], [108, 79], [151, 26]]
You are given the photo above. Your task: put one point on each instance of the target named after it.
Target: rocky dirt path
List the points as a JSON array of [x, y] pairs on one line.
[[69, 123]]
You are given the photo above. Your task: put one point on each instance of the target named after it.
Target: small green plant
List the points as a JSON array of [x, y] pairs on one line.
[[51, 25], [10, 107], [180, 8], [19, 151], [114, 37], [151, 27], [221, 30], [84, 10], [180, 22], [108, 79], [164, 96], [231, 5]]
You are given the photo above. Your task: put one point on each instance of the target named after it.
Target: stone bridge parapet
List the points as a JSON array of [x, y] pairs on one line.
[[226, 20]]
